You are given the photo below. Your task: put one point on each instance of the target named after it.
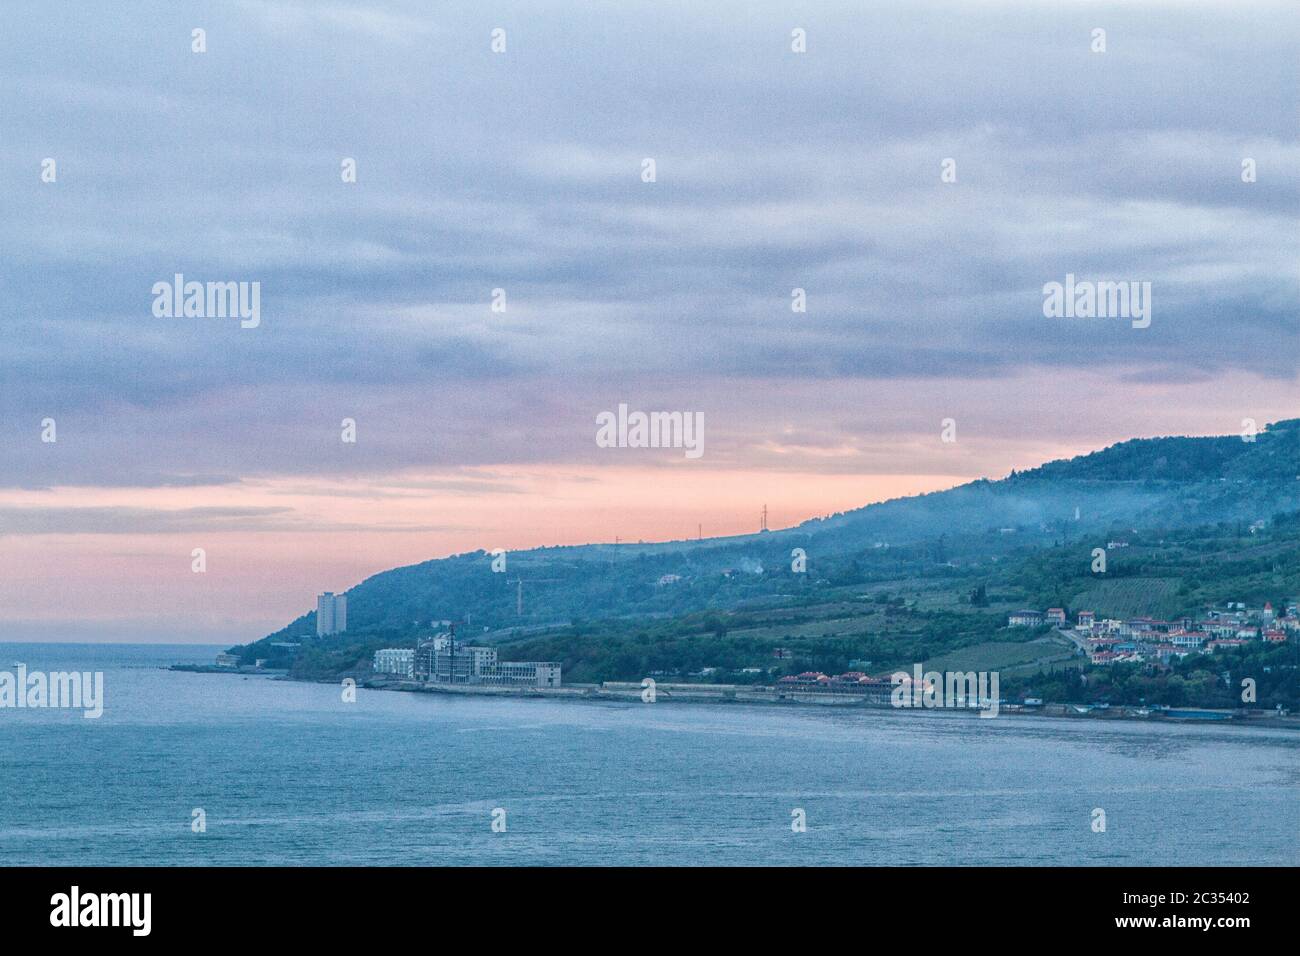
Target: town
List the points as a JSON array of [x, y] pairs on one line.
[[1148, 640], [442, 660]]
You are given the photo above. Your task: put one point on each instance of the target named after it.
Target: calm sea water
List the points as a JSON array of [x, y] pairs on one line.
[[288, 773]]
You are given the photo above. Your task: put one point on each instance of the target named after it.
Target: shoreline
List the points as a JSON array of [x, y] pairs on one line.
[[759, 694]]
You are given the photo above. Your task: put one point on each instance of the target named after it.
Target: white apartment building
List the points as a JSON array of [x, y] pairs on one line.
[[331, 614], [397, 661]]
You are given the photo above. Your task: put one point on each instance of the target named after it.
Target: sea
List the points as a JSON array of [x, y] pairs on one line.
[[234, 770]]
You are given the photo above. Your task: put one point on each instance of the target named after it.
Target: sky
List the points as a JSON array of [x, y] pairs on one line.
[[524, 171]]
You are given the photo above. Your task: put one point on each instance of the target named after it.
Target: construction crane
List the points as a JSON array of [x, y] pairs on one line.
[[519, 591], [421, 645]]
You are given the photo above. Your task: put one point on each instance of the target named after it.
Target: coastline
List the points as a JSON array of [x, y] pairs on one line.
[[725, 694]]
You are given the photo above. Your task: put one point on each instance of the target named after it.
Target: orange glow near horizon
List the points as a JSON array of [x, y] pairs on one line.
[[257, 580], [115, 561]]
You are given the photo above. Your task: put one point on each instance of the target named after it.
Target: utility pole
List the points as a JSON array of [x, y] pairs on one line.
[[519, 591], [764, 525], [451, 654]]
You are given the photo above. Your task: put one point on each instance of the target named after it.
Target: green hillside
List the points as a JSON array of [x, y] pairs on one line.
[[1220, 524], [1204, 481]]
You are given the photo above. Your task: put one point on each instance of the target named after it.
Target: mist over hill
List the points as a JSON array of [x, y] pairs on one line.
[[1154, 483], [1144, 482]]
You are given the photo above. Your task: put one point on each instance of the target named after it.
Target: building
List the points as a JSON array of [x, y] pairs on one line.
[[873, 689], [524, 674], [1086, 619], [1056, 615], [227, 660], [1102, 642], [1214, 645], [397, 661], [1026, 619], [808, 680], [445, 660], [1187, 640], [331, 614]]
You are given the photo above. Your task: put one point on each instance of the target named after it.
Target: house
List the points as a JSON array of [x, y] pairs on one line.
[[1216, 628], [808, 679], [1188, 640], [1086, 619], [1056, 615], [1026, 619], [1214, 645]]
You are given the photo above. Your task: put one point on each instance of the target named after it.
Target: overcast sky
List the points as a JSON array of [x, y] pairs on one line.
[[522, 171]]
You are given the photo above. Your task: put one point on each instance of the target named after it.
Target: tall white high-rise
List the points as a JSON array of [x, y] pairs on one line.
[[331, 613]]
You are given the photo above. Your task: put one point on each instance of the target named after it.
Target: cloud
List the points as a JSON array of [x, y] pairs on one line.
[[124, 520], [521, 171], [45, 520]]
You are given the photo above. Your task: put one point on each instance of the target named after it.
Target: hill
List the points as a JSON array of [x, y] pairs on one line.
[[1159, 484]]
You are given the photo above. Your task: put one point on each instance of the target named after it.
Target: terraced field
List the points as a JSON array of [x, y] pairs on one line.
[[835, 627], [1005, 656], [1131, 597]]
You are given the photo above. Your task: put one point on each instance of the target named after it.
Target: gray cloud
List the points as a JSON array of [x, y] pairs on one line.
[[124, 520], [127, 520], [521, 171]]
